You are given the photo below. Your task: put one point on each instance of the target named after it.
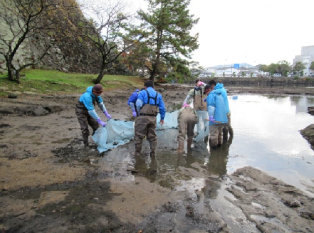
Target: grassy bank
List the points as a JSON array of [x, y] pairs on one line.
[[52, 81]]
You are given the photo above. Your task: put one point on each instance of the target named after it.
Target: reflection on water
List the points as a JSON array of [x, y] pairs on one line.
[[266, 136], [218, 159]]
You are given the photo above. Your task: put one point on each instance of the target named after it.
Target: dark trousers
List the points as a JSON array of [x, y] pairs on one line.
[[85, 120]]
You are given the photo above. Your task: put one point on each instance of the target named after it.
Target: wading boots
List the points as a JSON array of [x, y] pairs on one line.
[[153, 145], [85, 140], [180, 149]]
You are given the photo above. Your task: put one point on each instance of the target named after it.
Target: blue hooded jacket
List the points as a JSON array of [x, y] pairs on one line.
[[88, 99], [220, 86], [216, 107]]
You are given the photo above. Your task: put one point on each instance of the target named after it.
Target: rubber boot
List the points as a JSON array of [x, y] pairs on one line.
[[180, 149], [94, 131], [225, 132], [85, 140], [189, 143], [212, 146], [152, 147], [230, 131], [138, 148]]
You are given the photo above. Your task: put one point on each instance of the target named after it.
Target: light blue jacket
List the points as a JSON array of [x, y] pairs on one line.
[[220, 86], [216, 107], [88, 99]]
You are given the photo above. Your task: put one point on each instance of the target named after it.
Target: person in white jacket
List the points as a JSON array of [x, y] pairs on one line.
[[187, 118], [198, 96]]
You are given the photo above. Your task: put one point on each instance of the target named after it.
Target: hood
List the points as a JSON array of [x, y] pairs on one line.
[[219, 86], [89, 90], [217, 92]]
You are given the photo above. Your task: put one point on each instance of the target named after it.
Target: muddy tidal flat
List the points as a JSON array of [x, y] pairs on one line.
[[50, 183]]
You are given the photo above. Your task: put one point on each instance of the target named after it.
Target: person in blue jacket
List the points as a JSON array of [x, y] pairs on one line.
[[219, 86], [148, 102], [132, 101], [86, 113], [217, 116]]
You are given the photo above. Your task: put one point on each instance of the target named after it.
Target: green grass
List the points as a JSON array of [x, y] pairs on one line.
[[52, 81]]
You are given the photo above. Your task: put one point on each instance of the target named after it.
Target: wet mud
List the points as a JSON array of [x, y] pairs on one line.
[[50, 183]]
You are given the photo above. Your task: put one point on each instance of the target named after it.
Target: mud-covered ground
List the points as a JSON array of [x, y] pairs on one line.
[[50, 183]]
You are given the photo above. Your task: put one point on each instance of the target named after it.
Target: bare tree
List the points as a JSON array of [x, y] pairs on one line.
[[25, 21], [111, 32]]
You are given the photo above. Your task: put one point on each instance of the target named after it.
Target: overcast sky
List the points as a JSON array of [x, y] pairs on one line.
[[251, 31]]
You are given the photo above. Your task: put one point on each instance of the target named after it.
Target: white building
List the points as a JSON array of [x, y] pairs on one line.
[[306, 57], [230, 71]]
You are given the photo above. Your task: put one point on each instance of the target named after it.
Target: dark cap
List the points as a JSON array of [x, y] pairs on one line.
[[98, 88], [206, 88]]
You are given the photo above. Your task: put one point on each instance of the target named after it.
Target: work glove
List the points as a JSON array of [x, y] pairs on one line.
[[211, 119], [103, 124], [107, 115], [134, 113]]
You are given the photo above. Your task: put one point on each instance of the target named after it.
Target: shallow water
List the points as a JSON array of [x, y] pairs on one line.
[[266, 136]]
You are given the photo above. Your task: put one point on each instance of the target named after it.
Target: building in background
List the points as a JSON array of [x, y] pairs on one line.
[[306, 57], [230, 70]]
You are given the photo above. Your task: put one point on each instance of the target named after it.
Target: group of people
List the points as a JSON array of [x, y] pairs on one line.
[[210, 107]]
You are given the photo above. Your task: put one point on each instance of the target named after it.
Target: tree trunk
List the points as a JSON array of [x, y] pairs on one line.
[[153, 73], [100, 76], [151, 77], [10, 74], [17, 76], [10, 70]]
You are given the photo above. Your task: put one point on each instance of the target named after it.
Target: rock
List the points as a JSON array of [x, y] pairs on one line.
[[30, 93], [12, 96], [3, 88], [311, 110], [53, 108], [308, 134], [40, 111], [292, 203], [6, 110], [308, 214]]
